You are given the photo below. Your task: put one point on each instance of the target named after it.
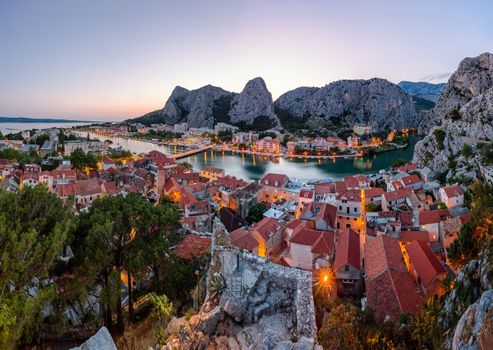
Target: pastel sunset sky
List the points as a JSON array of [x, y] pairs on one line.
[[115, 59]]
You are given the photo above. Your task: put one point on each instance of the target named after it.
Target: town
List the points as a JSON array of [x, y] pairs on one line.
[[381, 240]]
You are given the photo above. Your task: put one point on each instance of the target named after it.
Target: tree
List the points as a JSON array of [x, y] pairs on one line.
[[466, 150], [187, 165], [123, 235], [340, 330], [256, 213], [399, 162], [81, 160], [34, 226], [41, 139]]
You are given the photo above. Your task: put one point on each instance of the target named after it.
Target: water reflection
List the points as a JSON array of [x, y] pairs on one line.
[[254, 167]]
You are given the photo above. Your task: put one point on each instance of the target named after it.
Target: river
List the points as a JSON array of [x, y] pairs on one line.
[[254, 167]]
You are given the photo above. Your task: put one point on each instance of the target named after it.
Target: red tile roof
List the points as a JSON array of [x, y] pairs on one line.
[[322, 242], [424, 261], [409, 236], [307, 194], [347, 250], [274, 180], [328, 213], [432, 216], [390, 289], [374, 192], [395, 195], [410, 180], [326, 187], [192, 246], [407, 167], [267, 227], [453, 191], [107, 160], [243, 239], [293, 224]]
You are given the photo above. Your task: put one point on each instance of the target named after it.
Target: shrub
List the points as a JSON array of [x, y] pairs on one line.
[[439, 135], [466, 150]]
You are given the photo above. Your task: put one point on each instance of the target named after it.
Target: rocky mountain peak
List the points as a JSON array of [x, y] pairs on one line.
[[254, 102]]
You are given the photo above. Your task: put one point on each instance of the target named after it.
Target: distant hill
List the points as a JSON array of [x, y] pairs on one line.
[[423, 89], [41, 120], [422, 104]]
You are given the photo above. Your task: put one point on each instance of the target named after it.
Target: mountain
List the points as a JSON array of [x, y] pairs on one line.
[[337, 106], [376, 102], [462, 115], [209, 105], [422, 89]]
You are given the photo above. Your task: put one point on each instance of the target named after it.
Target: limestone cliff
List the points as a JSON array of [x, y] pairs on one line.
[[376, 102], [463, 114]]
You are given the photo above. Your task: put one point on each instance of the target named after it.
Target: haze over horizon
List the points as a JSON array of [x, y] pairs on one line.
[[111, 60]]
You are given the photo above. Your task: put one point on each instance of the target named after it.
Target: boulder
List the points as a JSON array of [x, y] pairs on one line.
[[102, 340]]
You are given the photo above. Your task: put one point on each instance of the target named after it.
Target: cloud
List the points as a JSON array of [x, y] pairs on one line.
[[437, 77]]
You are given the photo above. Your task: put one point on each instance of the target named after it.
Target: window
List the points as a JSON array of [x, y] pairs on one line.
[[348, 225]]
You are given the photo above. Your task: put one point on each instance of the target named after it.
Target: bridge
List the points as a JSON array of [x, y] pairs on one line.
[[191, 152]]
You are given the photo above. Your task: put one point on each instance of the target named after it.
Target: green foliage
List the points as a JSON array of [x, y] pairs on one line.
[[159, 135], [425, 328], [154, 117], [286, 138], [216, 286], [225, 135], [455, 114], [260, 123], [81, 161], [34, 226], [290, 122], [162, 312], [340, 330], [16, 136], [373, 207], [62, 137], [486, 151], [422, 104], [399, 162], [466, 150], [123, 233], [265, 134], [256, 213], [40, 139], [187, 165], [439, 135]]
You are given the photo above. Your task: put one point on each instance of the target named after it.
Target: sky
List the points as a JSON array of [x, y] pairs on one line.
[[115, 59]]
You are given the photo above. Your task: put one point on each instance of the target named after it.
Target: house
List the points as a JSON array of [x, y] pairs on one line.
[[28, 148], [429, 220], [390, 288], [412, 181], [325, 192], [308, 248], [212, 173], [452, 196], [426, 268], [404, 197], [274, 187], [322, 214], [268, 145], [349, 210], [268, 233], [347, 264], [305, 197], [244, 239], [47, 148], [243, 199], [108, 163]]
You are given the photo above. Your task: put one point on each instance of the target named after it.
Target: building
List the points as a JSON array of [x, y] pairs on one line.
[[108, 163], [347, 264], [268, 145], [362, 130], [452, 196], [353, 141], [390, 288], [309, 249], [47, 148], [212, 173], [28, 148], [425, 268], [268, 233], [348, 205], [97, 147], [180, 127], [276, 186]]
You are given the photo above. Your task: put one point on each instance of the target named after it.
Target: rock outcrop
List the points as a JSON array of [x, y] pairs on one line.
[[463, 114], [376, 102], [252, 104], [468, 309], [474, 330], [196, 107], [260, 305], [209, 105], [102, 340], [422, 89]]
